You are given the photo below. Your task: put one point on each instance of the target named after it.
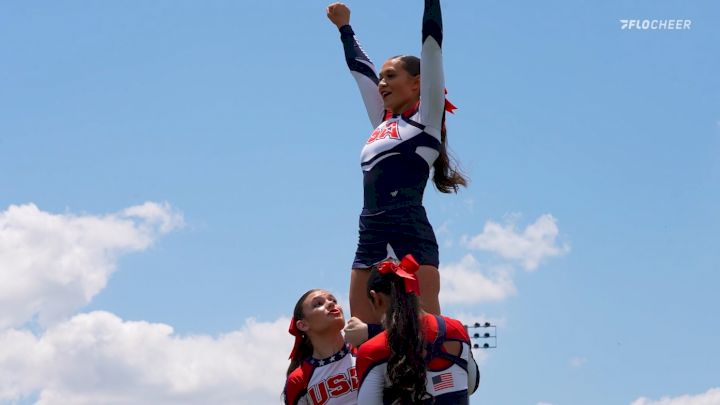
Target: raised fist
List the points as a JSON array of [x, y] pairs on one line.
[[339, 14], [356, 332]]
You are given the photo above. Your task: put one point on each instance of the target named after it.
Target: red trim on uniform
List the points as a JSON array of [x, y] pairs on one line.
[[371, 353], [454, 331], [297, 383], [353, 350], [449, 107], [411, 111], [387, 115], [377, 351]]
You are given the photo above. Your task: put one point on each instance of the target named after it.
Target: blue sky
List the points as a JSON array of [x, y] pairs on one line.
[[589, 224]]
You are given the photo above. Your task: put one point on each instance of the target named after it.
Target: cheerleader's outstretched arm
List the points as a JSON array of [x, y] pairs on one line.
[[432, 77], [361, 68]]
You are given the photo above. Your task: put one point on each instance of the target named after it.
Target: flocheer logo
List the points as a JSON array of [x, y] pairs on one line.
[[656, 25]]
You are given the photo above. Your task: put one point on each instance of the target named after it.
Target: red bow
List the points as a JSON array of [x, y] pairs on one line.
[[449, 107], [405, 269], [293, 330]]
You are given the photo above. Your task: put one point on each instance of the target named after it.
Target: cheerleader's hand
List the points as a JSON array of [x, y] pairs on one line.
[[339, 14], [356, 332]]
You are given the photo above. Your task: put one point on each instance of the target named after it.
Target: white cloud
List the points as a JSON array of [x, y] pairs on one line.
[[156, 215], [544, 403], [443, 229], [444, 235], [467, 282], [52, 264], [535, 243], [469, 204], [98, 358], [577, 362], [711, 397], [21, 364]]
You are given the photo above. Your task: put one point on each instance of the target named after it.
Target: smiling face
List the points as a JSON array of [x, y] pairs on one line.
[[321, 314], [399, 89]]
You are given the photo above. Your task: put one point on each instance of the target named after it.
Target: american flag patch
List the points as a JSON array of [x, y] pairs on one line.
[[442, 381]]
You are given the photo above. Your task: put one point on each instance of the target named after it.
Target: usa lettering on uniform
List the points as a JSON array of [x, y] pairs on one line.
[[333, 387], [390, 129]]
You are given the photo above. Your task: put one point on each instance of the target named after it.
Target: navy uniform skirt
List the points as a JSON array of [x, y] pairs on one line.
[[405, 229]]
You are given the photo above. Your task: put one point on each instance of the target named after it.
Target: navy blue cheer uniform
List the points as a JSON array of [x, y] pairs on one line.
[[397, 157]]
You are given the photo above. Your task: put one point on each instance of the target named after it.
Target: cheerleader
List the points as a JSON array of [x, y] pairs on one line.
[[420, 358], [407, 113]]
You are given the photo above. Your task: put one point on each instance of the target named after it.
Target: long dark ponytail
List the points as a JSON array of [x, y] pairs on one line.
[[305, 348], [406, 365], [446, 175]]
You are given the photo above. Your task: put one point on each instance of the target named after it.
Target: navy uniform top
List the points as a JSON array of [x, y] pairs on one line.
[[398, 155]]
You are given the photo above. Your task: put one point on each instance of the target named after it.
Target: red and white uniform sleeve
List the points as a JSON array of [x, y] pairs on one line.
[[296, 387], [372, 369], [371, 390]]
